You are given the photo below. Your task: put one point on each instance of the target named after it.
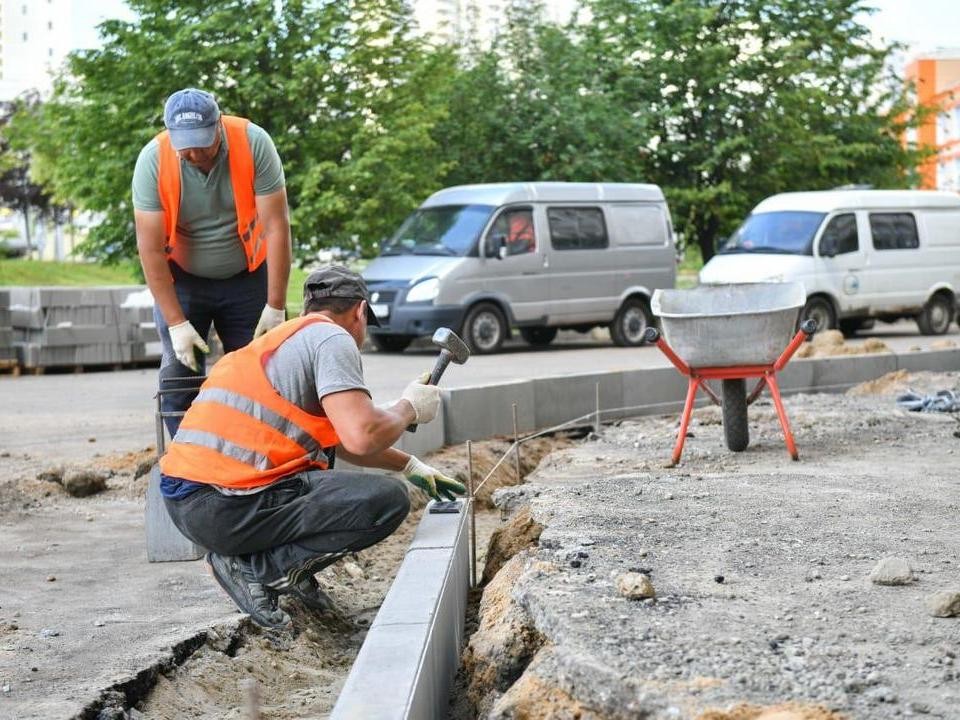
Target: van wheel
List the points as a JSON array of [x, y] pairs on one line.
[[631, 321], [821, 310], [484, 329], [936, 316], [538, 336], [391, 343]]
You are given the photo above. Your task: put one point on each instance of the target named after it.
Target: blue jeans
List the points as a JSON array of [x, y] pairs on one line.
[[232, 305]]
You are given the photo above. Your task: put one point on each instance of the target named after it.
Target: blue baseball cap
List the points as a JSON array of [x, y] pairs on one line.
[[191, 116]]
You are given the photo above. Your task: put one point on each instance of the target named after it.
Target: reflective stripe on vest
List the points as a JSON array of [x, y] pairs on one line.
[[239, 432], [242, 176]]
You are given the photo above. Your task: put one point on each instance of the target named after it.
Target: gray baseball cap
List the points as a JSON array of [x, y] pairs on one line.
[[192, 117], [336, 281]]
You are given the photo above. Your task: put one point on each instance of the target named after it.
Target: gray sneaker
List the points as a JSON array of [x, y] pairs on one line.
[[255, 599], [309, 593]]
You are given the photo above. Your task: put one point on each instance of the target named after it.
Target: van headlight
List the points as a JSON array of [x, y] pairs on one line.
[[424, 291]]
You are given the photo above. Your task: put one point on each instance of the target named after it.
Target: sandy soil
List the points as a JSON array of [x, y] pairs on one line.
[[216, 652]]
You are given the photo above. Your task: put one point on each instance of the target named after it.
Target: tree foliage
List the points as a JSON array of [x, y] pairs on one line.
[[338, 84], [721, 102]]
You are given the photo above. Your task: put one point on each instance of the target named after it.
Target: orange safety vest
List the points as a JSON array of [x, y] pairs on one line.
[[242, 174], [239, 432]]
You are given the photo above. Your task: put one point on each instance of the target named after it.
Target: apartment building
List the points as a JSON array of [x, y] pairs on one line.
[[36, 35], [937, 79]]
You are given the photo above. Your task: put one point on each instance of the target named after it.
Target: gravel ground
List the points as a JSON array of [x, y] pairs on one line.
[[764, 604]]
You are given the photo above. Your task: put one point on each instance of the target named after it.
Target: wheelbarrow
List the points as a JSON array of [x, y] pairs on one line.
[[731, 333]]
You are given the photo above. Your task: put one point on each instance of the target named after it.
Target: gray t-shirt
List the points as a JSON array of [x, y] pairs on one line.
[[318, 360], [207, 241]]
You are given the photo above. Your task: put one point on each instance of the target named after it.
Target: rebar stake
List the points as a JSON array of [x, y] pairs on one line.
[[596, 426], [516, 444], [473, 517]]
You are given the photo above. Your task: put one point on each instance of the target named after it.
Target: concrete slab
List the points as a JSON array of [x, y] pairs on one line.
[[406, 667], [837, 374], [559, 399], [932, 360], [472, 413]]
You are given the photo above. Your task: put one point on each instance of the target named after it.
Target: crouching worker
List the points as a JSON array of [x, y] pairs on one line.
[[247, 476]]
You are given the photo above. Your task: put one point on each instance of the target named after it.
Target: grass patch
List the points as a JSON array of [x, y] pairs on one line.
[[43, 272]]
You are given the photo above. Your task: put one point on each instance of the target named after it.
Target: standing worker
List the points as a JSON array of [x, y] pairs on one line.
[[247, 476], [213, 234]]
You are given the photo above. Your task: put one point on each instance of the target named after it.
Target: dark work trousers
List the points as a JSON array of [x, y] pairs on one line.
[[232, 305], [296, 526]]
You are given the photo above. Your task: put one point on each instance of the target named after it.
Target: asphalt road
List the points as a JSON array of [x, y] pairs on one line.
[[72, 416]]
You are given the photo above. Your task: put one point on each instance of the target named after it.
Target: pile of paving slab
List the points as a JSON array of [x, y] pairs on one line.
[[71, 327]]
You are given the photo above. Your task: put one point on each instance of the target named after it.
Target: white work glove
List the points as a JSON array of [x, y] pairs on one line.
[[184, 339], [433, 482], [269, 319], [424, 398]]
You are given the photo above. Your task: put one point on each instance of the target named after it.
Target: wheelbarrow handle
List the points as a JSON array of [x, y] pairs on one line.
[[809, 327], [651, 335]]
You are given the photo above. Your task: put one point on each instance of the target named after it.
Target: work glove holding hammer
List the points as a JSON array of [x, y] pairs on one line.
[[424, 398], [433, 482]]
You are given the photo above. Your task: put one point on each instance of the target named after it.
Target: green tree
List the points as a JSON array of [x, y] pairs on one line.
[[747, 98], [534, 106], [331, 81]]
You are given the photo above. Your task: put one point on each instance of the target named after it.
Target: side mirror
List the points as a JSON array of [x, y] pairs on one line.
[[495, 247]]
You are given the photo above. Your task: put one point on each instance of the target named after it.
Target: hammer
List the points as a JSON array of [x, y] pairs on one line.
[[452, 348]]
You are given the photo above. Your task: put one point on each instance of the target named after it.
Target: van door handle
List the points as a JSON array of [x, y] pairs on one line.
[[529, 272]]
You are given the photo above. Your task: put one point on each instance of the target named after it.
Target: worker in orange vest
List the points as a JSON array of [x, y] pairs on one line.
[[248, 475], [213, 234]]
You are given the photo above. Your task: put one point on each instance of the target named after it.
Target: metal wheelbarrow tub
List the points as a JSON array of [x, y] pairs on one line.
[[726, 325]]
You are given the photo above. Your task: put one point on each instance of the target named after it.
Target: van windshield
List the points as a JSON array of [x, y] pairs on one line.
[[443, 230], [787, 232]]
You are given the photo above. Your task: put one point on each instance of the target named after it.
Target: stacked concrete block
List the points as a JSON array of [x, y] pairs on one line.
[[8, 354], [64, 327]]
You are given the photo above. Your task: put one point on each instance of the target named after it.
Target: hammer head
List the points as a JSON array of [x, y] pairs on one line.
[[448, 340]]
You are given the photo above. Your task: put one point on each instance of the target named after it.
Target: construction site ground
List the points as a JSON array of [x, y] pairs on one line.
[[764, 607], [89, 629]]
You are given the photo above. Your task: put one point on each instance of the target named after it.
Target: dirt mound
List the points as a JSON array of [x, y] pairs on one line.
[[830, 343], [789, 711], [899, 381], [520, 533]]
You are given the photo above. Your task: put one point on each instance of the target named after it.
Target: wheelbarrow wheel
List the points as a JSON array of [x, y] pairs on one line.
[[736, 430]]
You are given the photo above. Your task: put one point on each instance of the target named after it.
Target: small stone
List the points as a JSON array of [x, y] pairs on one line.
[[85, 483], [944, 604], [635, 586], [891, 571], [845, 578], [51, 578], [575, 563], [33, 669], [353, 570], [98, 623], [6, 688], [718, 579], [49, 632], [91, 439]]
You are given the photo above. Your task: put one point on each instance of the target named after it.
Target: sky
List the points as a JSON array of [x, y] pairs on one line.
[[923, 25]]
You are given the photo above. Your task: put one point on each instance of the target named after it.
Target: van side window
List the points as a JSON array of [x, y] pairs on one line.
[[516, 229], [577, 229], [840, 235], [894, 231]]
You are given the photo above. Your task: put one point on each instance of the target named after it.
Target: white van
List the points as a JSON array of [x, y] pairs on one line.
[[536, 256], [861, 255]]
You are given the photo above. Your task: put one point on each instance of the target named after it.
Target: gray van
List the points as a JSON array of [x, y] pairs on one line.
[[538, 256]]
